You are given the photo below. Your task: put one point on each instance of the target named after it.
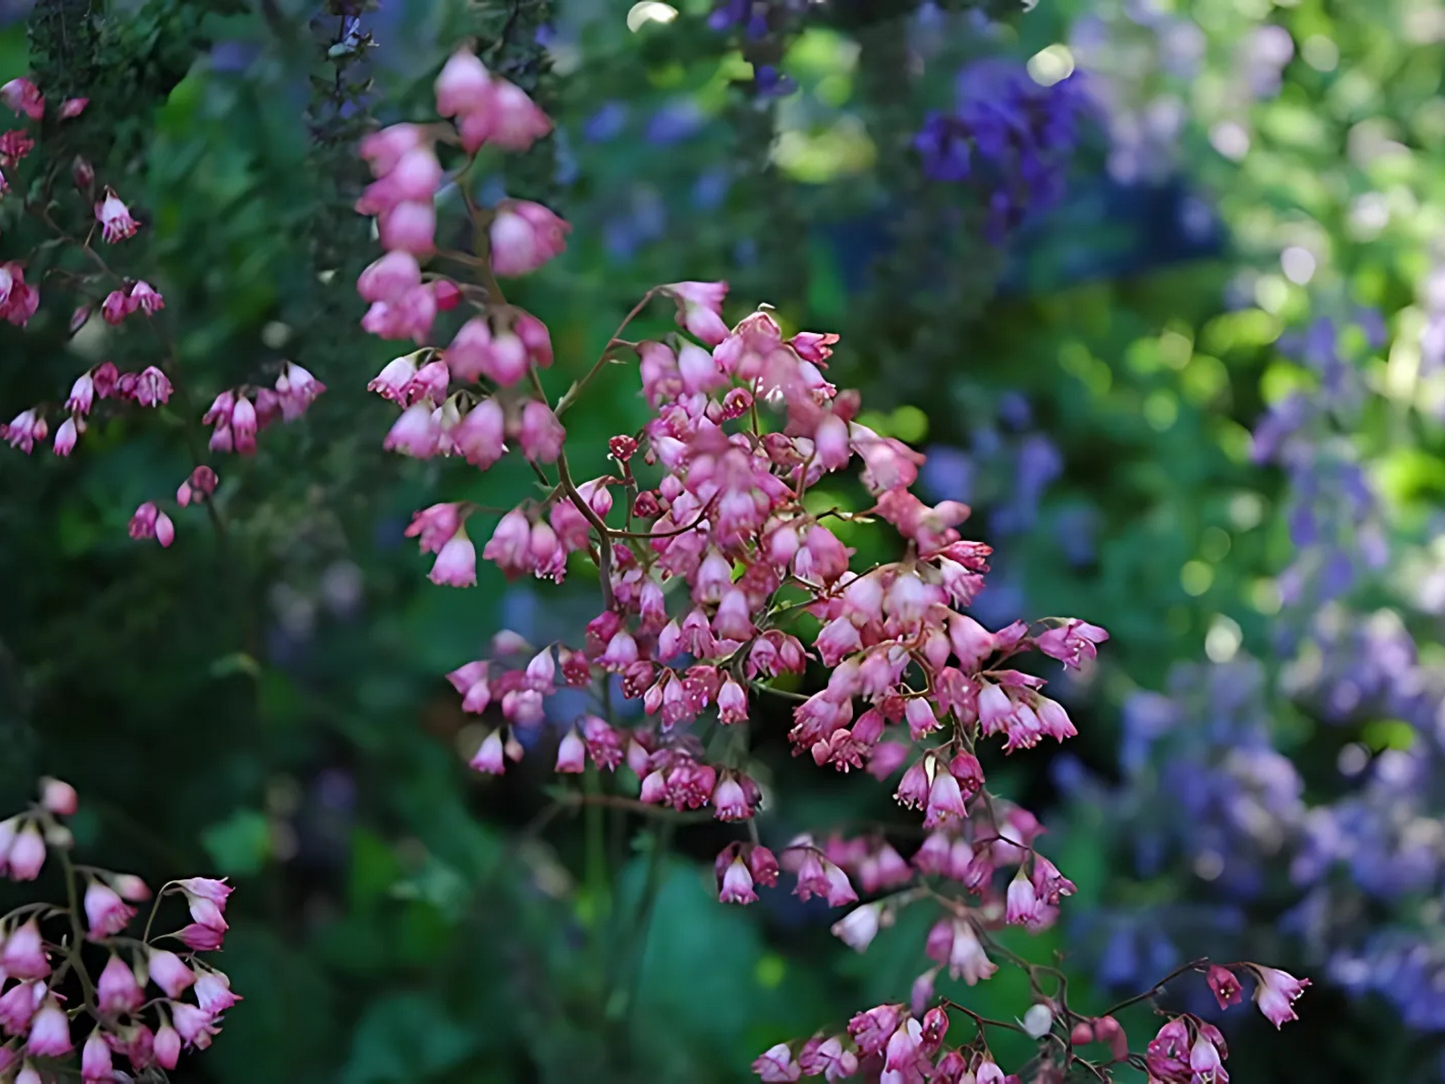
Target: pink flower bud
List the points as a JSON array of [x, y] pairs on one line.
[[699, 307], [115, 307], [18, 1005], [168, 972], [114, 218], [409, 226], [213, 992], [524, 236], [480, 436], [383, 149], [22, 954], [489, 756], [143, 296], [95, 1063], [777, 1065], [389, 278], [433, 527], [858, 928], [297, 389], [165, 530], [106, 914], [201, 937], [49, 1032], [1023, 904], [73, 107], [535, 338], [541, 434], [82, 394], [735, 883], [1274, 992], [66, 436], [571, 752], [462, 86], [24, 858], [23, 96], [195, 1025], [167, 1047], [415, 433], [117, 990]]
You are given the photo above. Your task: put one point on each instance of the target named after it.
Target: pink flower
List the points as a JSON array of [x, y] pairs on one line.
[[571, 752], [213, 992], [433, 527], [297, 389], [200, 485], [699, 309], [18, 1005], [408, 316], [394, 379], [481, 434], [489, 756], [735, 881], [22, 955], [1072, 642], [49, 1032], [988, 1072], [167, 1046], [143, 296], [945, 801], [389, 278], [1274, 992], [1023, 904], [200, 937], [415, 433], [505, 117], [195, 1026], [66, 436], [58, 797], [82, 394], [73, 107], [540, 434], [25, 856], [524, 236], [1205, 1062], [858, 928], [95, 1063], [776, 1065], [1225, 986], [463, 85], [384, 149], [414, 179], [206, 897], [409, 226], [106, 914], [535, 337], [456, 563], [115, 308], [152, 387], [117, 990], [169, 972], [25, 430], [114, 218], [23, 96]]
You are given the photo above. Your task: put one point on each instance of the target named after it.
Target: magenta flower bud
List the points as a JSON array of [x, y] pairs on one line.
[[167, 1047], [95, 1063], [913, 789], [945, 801], [433, 527], [114, 218], [117, 990], [1054, 719], [920, 718], [968, 771], [506, 360], [201, 938], [115, 307], [489, 757], [506, 118], [535, 337], [1274, 992], [49, 1032], [169, 972], [541, 434], [729, 800], [732, 703], [25, 858], [524, 236], [776, 1065], [73, 107], [106, 914], [571, 752], [409, 226]]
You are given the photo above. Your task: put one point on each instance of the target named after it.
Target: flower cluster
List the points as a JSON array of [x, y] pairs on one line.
[[714, 564], [1010, 135], [236, 414], [52, 978]]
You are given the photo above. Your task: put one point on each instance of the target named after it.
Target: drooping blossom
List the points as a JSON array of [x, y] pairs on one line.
[[114, 218]]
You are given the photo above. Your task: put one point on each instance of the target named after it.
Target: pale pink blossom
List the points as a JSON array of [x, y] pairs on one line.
[[524, 236], [23, 96], [456, 563], [106, 914], [114, 217], [66, 436], [49, 1032], [390, 277], [73, 107], [167, 971], [117, 990], [409, 226], [1274, 993]]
